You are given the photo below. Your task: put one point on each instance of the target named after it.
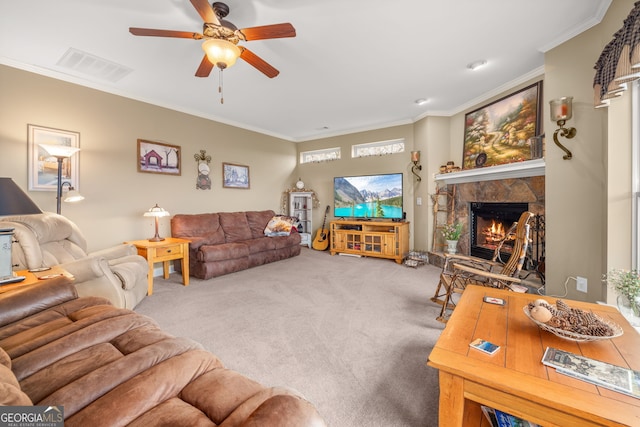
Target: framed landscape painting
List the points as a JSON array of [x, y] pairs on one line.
[[43, 167], [503, 131], [157, 157], [235, 176]]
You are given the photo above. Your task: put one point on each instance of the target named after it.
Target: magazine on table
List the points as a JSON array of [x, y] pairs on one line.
[[502, 419], [603, 374]]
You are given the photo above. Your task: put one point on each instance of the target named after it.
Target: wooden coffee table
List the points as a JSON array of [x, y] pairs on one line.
[[514, 380]]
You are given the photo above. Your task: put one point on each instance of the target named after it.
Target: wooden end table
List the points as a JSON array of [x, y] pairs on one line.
[[514, 380], [31, 278], [169, 249]]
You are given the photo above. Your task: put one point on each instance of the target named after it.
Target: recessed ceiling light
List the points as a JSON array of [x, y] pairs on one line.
[[476, 64], [421, 101]]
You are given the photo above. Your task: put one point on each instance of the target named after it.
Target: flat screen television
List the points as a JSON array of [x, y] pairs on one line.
[[368, 196]]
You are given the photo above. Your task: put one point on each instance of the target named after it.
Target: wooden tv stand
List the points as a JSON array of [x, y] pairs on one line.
[[381, 239]]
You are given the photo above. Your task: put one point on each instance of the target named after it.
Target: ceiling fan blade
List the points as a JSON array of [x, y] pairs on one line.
[[275, 31], [206, 11], [164, 33], [259, 63], [205, 68]]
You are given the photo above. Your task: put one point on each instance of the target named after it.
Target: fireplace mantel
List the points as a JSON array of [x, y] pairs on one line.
[[512, 170]]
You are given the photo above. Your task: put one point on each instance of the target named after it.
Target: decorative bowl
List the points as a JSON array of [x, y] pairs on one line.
[[574, 336]]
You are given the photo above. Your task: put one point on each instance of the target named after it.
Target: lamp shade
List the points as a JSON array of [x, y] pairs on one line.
[[221, 52], [156, 211], [73, 196], [14, 201], [57, 150]]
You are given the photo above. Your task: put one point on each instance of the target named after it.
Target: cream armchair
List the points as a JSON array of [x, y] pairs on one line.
[[44, 240]]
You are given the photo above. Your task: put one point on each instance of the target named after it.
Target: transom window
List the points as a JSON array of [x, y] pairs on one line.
[[379, 148], [317, 156]]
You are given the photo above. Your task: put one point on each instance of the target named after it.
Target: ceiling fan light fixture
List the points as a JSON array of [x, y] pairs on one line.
[[221, 53]]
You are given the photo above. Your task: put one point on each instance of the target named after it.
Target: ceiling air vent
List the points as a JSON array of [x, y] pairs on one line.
[[92, 65]]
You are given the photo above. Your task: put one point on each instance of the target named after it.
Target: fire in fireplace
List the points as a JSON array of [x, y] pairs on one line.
[[489, 224], [492, 234]]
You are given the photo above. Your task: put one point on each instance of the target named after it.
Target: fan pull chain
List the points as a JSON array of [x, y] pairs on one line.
[[221, 83]]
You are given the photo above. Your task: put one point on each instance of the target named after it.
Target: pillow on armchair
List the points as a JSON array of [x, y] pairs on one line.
[[280, 225]]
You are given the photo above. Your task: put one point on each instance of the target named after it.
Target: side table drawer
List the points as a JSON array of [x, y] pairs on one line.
[[166, 251]]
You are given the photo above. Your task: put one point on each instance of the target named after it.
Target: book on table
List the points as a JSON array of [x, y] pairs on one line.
[[613, 377]]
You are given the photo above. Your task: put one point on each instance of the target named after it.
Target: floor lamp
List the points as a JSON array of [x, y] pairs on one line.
[[14, 201], [62, 152]]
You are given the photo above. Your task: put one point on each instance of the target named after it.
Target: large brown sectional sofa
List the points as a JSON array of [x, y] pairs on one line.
[[225, 242], [109, 366]]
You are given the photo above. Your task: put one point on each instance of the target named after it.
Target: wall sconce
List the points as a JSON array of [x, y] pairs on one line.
[[156, 212], [415, 159], [560, 113]]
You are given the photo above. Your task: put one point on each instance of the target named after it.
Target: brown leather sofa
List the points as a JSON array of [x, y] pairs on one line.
[[113, 367], [225, 242]]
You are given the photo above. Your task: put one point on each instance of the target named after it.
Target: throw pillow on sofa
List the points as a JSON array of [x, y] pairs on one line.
[[280, 225]]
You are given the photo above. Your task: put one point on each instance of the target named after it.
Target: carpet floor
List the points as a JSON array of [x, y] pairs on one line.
[[350, 334]]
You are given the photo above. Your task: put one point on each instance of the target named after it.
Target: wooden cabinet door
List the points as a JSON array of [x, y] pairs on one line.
[[338, 241], [353, 242], [373, 244], [390, 245]]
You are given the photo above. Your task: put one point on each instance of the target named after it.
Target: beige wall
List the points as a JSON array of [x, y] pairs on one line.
[[578, 203], [319, 176], [432, 135], [116, 194]]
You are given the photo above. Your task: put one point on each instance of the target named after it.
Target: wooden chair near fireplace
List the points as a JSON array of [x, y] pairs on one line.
[[459, 271]]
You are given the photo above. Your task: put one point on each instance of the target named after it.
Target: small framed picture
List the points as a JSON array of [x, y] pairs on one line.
[[158, 157], [235, 176], [43, 167]]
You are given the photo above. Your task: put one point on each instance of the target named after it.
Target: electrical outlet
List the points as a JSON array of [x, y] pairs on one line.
[[419, 201], [581, 284]]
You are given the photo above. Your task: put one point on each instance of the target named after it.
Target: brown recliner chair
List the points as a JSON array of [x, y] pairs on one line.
[[118, 274]]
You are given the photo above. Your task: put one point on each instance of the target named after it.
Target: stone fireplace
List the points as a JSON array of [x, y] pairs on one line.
[[514, 195]]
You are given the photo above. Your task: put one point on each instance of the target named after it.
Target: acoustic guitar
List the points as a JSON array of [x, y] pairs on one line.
[[321, 242]]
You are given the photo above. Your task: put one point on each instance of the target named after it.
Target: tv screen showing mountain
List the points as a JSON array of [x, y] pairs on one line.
[[368, 196]]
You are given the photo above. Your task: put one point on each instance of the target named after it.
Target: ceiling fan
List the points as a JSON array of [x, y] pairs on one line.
[[222, 38]]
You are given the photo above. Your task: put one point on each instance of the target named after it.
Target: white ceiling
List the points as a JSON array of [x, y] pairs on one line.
[[354, 64]]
